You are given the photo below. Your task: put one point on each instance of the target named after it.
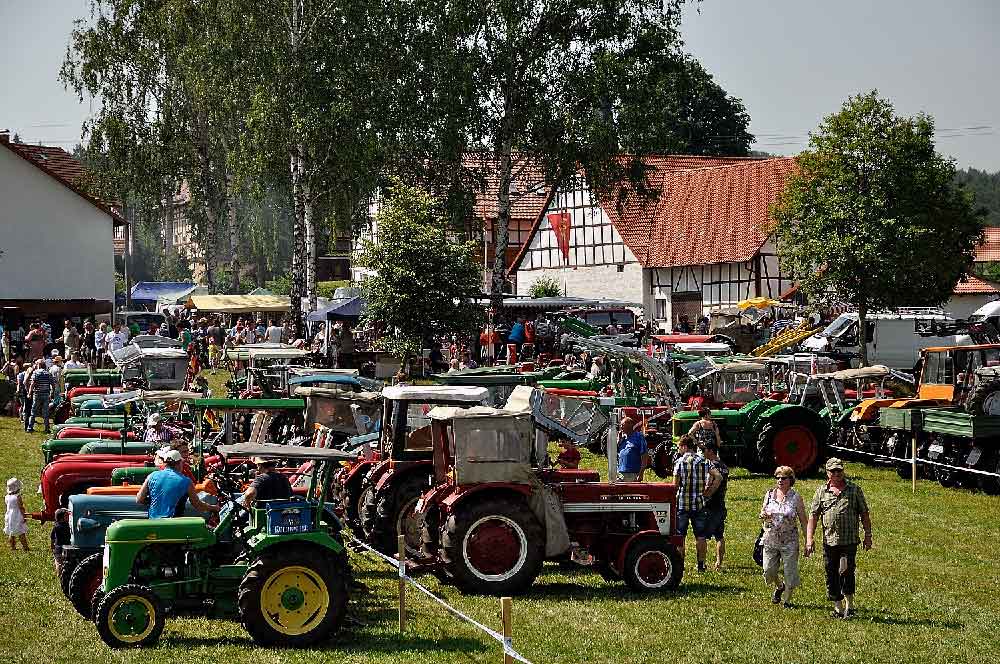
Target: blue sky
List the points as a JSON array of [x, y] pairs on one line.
[[791, 61]]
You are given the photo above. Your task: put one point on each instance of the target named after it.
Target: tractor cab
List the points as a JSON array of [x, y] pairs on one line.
[[722, 384], [280, 568], [493, 515], [267, 371], [155, 368]]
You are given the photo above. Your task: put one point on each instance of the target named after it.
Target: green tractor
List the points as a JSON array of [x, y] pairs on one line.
[[280, 568], [765, 434]]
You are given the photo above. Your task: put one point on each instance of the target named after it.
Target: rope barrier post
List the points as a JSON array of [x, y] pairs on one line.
[[913, 462], [401, 557], [505, 610]]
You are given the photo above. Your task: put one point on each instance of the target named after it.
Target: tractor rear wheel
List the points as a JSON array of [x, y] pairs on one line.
[[495, 547], [663, 462], [792, 444], [652, 565], [990, 484], [391, 512], [293, 597], [985, 399], [84, 582], [129, 616]]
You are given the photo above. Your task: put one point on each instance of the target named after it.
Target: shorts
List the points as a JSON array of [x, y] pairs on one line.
[[715, 523], [698, 520]]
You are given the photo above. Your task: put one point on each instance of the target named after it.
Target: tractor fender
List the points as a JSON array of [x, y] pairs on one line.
[[484, 491], [398, 475], [619, 563], [785, 412], [318, 540], [358, 472]]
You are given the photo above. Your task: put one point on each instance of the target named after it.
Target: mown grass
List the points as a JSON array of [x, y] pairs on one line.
[[926, 593]]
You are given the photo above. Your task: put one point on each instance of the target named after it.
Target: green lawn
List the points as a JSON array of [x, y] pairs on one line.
[[927, 593]]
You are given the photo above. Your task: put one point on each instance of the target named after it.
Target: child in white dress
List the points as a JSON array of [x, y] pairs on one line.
[[14, 524]]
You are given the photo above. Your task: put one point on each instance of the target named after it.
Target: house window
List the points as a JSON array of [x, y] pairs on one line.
[[661, 308], [620, 267]]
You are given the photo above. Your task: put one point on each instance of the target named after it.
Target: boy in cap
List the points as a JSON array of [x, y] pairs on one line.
[[839, 505], [164, 490]]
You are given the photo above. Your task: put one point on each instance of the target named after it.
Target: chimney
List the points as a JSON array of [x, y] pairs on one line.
[[5, 136]]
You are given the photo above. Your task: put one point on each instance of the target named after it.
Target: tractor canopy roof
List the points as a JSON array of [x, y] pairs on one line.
[[158, 396], [250, 404], [333, 379], [436, 393], [289, 353], [271, 451], [333, 393], [876, 371]]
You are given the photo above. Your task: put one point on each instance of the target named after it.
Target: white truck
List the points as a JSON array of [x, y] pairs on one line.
[[891, 337]]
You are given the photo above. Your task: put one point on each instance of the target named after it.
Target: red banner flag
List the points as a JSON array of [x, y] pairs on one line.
[[561, 223]]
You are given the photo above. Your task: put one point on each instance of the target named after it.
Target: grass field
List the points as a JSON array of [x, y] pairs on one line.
[[927, 593]]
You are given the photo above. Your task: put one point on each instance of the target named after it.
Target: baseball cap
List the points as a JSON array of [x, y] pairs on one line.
[[169, 455], [262, 461], [833, 463], [153, 419]]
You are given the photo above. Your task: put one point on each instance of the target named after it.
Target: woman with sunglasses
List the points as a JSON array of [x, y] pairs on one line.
[[782, 512]]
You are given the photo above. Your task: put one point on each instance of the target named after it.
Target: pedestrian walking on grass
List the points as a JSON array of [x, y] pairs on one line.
[[716, 504], [840, 506], [40, 388], [696, 482], [15, 523], [782, 512]]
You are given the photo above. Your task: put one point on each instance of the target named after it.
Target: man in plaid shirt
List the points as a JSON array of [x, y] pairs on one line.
[[40, 390], [696, 480], [839, 505]]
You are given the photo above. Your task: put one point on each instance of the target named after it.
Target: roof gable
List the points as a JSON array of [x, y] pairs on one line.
[[63, 167]]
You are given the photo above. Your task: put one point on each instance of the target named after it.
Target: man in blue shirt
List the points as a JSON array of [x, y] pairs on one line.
[[165, 490], [631, 448]]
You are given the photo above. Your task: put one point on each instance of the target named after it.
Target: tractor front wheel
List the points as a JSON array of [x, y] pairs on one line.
[[652, 565], [493, 547], [293, 598], [84, 582], [390, 513], [794, 445], [129, 616]]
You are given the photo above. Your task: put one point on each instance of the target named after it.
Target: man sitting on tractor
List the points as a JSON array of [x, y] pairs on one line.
[[268, 485], [164, 490]]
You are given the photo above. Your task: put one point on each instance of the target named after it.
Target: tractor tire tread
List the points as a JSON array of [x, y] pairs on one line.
[[81, 579], [382, 509]]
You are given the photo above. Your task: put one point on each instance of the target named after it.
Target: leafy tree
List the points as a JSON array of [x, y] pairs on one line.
[[423, 283], [874, 214], [174, 267], [545, 287], [985, 187]]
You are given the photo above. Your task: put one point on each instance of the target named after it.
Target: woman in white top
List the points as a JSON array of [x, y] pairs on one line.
[[782, 512]]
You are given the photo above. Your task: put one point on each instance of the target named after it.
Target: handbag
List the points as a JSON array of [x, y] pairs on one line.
[[758, 549]]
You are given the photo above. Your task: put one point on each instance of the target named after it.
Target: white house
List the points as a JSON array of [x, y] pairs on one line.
[[57, 242], [698, 240]]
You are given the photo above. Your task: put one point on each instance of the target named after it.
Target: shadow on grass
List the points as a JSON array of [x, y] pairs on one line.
[[880, 617], [346, 641]]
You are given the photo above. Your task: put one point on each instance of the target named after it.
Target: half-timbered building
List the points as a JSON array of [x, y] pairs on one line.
[[698, 239]]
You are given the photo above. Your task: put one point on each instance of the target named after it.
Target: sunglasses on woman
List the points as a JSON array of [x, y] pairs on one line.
[[782, 477]]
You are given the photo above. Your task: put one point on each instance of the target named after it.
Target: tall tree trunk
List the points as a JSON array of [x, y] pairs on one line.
[[234, 240], [298, 244], [310, 231], [863, 331], [501, 226]]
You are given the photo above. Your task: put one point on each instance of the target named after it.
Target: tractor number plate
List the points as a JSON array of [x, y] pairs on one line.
[[630, 498], [936, 449]]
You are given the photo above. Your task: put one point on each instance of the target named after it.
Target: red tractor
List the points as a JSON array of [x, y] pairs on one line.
[[491, 520], [392, 467]]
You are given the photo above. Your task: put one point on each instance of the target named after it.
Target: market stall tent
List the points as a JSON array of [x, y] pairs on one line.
[[238, 304]]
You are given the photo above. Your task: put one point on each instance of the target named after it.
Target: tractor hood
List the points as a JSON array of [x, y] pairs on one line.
[[183, 529]]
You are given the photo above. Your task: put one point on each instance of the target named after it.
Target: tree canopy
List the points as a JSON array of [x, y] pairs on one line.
[[422, 283], [874, 215]]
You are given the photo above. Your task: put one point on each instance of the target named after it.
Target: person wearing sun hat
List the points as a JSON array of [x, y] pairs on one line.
[[840, 506]]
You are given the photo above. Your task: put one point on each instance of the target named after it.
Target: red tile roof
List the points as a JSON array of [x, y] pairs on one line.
[[530, 193], [60, 165], [628, 209], [707, 215], [989, 250], [975, 286]]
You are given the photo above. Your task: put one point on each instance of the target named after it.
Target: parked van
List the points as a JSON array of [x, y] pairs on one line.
[[891, 338], [989, 312]]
